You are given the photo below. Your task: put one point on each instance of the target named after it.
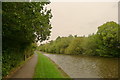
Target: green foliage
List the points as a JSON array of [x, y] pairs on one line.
[[104, 43], [75, 46], [10, 60], [30, 20], [89, 45], [23, 25], [107, 35], [57, 46]]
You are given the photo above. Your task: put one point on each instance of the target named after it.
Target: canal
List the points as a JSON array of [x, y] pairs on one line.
[[79, 66]]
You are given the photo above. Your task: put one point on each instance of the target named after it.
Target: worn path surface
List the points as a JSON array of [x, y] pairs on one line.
[[27, 71]]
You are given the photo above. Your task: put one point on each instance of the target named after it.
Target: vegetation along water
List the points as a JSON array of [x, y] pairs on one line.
[[26, 23], [104, 43]]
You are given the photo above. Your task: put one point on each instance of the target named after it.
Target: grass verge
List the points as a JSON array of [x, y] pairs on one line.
[[45, 68]]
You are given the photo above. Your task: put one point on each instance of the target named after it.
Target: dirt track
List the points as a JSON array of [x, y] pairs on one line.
[[27, 70]]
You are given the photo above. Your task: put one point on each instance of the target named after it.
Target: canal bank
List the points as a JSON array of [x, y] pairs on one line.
[[86, 66], [46, 68]]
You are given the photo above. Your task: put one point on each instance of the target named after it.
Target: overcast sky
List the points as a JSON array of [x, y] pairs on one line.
[[80, 18]]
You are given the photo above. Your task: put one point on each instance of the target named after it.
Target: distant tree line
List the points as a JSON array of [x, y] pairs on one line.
[[23, 24], [104, 43]]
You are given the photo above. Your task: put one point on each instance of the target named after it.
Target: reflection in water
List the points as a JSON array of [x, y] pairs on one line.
[[86, 66]]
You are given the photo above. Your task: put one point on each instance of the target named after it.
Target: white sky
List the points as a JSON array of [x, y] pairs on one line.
[[80, 18], [84, 0]]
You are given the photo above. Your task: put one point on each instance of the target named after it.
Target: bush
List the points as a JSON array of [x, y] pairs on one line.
[[75, 46]]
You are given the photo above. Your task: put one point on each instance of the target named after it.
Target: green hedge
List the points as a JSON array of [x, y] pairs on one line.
[[12, 59]]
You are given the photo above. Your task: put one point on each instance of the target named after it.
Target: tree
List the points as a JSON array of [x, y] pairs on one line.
[[75, 46], [23, 24], [108, 39], [89, 45]]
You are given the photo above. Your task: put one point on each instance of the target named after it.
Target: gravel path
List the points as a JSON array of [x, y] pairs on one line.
[[27, 70]]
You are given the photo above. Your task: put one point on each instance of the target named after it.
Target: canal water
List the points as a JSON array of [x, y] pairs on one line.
[[79, 66]]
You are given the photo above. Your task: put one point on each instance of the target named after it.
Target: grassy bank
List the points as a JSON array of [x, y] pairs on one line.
[[45, 68]]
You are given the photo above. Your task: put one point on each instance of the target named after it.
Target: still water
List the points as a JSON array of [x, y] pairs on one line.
[[86, 66]]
